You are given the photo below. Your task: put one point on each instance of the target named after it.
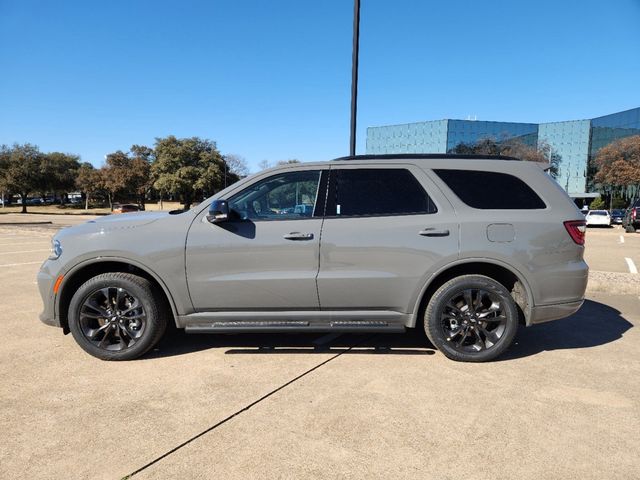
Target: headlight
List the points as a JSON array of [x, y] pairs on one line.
[[56, 250]]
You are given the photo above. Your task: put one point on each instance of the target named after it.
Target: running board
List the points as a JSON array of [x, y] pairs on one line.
[[294, 327], [298, 322]]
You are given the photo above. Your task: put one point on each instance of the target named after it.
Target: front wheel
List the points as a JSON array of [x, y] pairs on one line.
[[116, 316], [471, 318]]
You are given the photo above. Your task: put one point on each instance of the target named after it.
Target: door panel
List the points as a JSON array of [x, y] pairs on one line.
[[381, 262], [247, 265], [266, 256]]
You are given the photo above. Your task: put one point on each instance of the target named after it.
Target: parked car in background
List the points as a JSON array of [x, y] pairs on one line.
[[598, 218], [631, 220], [617, 215], [402, 246], [126, 208]]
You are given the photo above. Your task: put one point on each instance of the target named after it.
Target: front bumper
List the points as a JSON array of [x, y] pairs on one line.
[[45, 286]]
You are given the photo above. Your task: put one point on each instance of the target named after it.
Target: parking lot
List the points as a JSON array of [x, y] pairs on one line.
[[564, 402]]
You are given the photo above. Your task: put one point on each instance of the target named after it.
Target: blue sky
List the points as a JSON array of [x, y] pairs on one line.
[[271, 79]]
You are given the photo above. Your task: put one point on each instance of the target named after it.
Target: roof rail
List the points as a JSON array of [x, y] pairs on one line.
[[425, 156]]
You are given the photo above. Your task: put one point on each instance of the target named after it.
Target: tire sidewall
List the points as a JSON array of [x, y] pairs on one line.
[[139, 288], [436, 307]]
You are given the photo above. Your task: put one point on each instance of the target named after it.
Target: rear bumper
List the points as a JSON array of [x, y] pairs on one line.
[[546, 313]]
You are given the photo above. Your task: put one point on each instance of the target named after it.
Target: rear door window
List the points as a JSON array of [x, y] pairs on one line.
[[369, 192], [491, 190]]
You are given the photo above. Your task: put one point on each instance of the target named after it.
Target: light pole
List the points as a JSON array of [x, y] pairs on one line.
[[354, 75]]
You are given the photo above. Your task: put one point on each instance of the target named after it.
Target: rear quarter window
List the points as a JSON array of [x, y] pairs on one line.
[[491, 190]]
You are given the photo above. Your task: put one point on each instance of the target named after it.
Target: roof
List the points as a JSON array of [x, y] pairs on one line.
[[425, 156]]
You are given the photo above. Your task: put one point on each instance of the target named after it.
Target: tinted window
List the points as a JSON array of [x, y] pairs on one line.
[[284, 196], [491, 190], [376, 191]]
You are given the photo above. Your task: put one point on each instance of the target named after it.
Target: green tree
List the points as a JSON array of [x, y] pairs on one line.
[[22, 173], [114, 174], [4, 165], [187, 167], [127, 175], [619, 202], [597, 204], [139, 180], [89, 182], [58, 173]]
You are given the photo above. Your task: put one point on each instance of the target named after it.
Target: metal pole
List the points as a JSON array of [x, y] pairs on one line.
[[354, 75]]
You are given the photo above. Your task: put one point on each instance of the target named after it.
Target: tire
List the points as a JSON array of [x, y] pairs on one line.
[[117, 316], [630, 229], [471, 318]]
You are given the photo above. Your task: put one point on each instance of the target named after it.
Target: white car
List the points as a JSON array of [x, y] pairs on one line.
[[598, 218]]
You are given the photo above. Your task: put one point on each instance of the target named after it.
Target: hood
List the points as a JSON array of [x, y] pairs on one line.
[[112, 223], [128, 220]]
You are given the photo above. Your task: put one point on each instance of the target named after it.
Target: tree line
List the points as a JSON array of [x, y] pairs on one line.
[[617, 168], [184, 169], [614, 171], [514, 147]]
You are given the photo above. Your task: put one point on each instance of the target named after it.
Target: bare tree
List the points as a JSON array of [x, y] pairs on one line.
[[264, 164], [237, 164]]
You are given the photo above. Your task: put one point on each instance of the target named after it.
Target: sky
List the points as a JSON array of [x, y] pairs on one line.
[[270, 80]]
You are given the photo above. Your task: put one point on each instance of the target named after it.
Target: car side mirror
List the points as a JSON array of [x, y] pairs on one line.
[[218, 211]]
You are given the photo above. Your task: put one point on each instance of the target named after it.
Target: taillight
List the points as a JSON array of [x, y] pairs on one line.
[[577, 229], [633, 213]]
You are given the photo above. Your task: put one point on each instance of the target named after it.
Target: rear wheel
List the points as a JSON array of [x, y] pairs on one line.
[[471, 318], [629, 229], [115, 316]]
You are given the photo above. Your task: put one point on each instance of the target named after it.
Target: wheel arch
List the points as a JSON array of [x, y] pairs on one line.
[[512, 279], [82, 272]]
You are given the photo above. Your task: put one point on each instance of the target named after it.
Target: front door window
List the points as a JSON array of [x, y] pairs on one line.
[[287, 196]]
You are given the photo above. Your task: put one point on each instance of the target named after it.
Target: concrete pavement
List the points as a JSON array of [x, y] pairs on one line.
[[563, 403]]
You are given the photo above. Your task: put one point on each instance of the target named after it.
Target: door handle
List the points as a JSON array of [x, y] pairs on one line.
[[432, 232], [298, 236]]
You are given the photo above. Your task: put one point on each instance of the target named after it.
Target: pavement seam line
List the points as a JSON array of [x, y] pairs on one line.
[[18, 264], [235, 414], [25, 251]]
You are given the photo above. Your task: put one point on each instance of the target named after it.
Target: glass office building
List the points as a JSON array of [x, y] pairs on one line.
[[570, 140], [576, 142]]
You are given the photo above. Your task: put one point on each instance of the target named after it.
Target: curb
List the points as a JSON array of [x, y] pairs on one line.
[[614, 282], [25, 223]]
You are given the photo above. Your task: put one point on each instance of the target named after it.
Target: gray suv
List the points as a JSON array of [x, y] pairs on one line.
[[465, 247]]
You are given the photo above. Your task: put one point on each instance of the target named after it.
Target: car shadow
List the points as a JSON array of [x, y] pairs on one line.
[[593, 325], [411, 343]]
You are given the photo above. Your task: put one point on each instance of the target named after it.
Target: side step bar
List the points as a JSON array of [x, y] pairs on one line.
[[307, 321], [294, 327]]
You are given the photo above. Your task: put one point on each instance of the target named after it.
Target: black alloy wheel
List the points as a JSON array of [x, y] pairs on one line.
[[471, 318], [112, 318], [117, 316]]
